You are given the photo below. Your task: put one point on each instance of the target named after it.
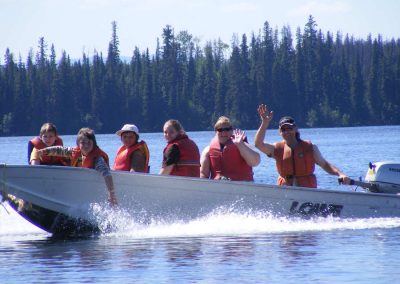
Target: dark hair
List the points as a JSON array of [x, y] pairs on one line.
[[298, 136], [48, 127], [88, 133], [136, 135]]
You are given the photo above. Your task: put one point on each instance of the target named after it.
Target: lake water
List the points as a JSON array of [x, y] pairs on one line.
[[227, 248]]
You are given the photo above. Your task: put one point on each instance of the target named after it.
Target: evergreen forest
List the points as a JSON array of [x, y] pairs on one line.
[[321, 79]]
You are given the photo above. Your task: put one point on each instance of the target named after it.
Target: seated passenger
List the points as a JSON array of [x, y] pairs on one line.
[[47, 137], [295, 158], [228, 156], [86, 155], [181, 155], [133, 155]]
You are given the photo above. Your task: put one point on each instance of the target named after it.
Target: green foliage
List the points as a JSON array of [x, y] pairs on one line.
[[312, 118], [6, 125], [320, 80]]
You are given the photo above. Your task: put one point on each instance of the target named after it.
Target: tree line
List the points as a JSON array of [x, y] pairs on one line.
[[321, 80]]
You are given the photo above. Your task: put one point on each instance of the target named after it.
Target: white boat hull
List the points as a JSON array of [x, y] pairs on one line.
[[59, 199]]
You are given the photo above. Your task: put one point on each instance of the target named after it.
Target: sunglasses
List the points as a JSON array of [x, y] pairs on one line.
[[224, 129]]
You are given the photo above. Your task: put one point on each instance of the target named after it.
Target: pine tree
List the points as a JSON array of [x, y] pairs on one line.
[[312, 77], [232, 99], [21, 101], [7, 118], [98, 112], [268, 59], [147, 91], [282, 80], [372, 95], [319, 81], [299, 79], [169, 72]]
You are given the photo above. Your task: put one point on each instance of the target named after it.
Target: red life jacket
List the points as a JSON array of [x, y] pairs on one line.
[[88, 161], [228, 162], [46, 160], [123, 160], [189, 160], [295, 166]]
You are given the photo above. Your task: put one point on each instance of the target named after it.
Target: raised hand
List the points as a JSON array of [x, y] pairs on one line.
[[265, 114], [238, 136]]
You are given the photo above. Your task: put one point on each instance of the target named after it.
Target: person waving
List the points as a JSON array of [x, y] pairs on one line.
[[295, 158]]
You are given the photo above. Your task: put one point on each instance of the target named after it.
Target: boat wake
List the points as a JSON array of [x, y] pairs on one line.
[[221, 222], [227, 222]]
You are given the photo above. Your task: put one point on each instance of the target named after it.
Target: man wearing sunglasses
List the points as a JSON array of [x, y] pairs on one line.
[[295, 158], [228, 156]]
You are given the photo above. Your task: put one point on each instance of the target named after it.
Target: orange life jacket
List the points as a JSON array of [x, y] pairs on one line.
[[77, 160], [123, 160], [228, 162], [46, 160], [189, 160], [295, 166]]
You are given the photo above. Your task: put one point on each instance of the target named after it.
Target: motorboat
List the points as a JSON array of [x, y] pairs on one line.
[[62, 200]]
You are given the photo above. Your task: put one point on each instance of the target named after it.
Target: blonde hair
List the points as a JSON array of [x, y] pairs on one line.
[[221, 121], [48, 127], [175, 124]]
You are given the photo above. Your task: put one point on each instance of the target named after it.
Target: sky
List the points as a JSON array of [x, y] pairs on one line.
[[83, 26]]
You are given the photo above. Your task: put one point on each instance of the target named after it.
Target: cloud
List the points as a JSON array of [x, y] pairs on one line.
[[312, 7]]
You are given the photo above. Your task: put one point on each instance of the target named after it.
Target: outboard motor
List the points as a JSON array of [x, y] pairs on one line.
[[385, 176], [382, 177]]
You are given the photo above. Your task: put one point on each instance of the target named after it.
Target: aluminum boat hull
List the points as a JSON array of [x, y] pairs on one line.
[[60, 199]]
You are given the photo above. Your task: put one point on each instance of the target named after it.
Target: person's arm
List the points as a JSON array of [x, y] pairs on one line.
[[171, 158], [266, 117], [112, 198], [205, 163], [35, 157], [166, 170], [138, 161], [251, 157], [101, 166], [329, 167]]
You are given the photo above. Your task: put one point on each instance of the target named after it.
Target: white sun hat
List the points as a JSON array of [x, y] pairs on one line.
[[128, 128]]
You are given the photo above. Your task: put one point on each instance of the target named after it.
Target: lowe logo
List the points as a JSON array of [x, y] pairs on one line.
[[308, 209]]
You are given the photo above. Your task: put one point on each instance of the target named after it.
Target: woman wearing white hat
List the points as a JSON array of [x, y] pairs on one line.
[[132, 155]]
